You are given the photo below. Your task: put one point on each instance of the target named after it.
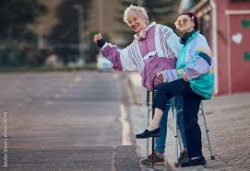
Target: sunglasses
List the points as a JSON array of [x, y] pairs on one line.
[[184, 20]]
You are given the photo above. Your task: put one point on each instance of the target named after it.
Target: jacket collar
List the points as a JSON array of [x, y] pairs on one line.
[[187, 36], [143, 33]]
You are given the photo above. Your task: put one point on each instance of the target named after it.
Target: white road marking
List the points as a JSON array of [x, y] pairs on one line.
[[70, 85], [57, 96], [125, 126], [64, 90], [48, 102], [77, 79]]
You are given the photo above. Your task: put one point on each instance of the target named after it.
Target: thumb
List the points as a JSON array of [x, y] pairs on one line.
[[158, 74]]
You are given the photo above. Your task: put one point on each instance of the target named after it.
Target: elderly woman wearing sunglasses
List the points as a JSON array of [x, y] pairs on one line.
[[195, 83]]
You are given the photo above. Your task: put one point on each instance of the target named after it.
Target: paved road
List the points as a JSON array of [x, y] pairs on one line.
[[63, 121]]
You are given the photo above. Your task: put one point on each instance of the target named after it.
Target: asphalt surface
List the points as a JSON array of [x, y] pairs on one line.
[[87, 120], [63, 121]]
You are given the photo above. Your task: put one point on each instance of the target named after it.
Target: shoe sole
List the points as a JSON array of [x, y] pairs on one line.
[[148, 137], [155, 163], [202, 163]]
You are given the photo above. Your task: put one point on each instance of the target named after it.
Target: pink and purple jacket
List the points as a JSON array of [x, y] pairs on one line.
[[155, 50]]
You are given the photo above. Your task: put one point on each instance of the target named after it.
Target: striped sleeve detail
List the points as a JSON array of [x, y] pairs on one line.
[[205, 54], [205, 57], [126, 62], [197, 68], [135, 56], [169, 75], [170, 42], [164, 36], [120, 58], [200, 64], [205, 50], [200, 58]]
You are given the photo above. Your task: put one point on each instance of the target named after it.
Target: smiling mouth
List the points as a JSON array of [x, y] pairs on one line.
[[133, 27]]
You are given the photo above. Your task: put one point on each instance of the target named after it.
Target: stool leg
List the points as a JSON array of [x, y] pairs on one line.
[[175, 136], [179, 139], [153, 139], [148, 114], [207, 132]]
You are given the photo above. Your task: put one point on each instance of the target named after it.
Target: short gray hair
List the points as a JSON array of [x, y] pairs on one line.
[[135, 11]]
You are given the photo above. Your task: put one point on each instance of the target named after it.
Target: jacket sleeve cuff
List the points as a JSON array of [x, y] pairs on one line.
[[100, 43]]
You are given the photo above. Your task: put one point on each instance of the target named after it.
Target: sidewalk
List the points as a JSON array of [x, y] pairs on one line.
[[228, 121]]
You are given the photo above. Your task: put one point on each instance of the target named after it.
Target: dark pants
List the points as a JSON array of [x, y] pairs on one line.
[[191, 104]]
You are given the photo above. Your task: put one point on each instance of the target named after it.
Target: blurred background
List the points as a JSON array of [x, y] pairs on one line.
[[58, 33]]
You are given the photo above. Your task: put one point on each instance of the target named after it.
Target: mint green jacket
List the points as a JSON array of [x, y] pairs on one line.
[[195, 61]]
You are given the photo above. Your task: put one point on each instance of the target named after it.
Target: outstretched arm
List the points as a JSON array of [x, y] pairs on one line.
[[119, 58]]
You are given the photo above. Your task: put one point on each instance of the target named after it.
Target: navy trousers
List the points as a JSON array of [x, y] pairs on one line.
[[191, 104]]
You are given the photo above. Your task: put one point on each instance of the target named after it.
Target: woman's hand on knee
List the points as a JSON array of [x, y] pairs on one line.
[[159, 76], [185, 78]]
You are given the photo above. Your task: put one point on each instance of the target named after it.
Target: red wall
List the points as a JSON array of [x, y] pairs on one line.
[[239, 53], [228, 84]]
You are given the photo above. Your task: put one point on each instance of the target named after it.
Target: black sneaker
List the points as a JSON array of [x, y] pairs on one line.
[[159, 161], [194, 162], [183, 157], [147, 134]]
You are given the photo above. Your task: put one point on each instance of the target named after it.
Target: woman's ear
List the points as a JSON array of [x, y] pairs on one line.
[[193, 23]]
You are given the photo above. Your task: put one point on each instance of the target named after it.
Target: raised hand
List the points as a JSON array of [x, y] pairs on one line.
[[97, 37]]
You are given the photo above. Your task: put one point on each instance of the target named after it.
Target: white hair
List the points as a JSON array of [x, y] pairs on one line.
[[135, 11]]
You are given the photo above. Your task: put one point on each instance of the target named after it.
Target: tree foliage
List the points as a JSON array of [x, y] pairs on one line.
[[18, 45], [16, 15], [65, 35]]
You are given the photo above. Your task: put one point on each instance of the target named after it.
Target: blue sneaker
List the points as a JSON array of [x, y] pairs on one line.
[[147, 134]]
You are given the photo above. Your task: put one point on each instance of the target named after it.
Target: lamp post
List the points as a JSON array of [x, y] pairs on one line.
[[79, 9], [139, 2], [100, 6]]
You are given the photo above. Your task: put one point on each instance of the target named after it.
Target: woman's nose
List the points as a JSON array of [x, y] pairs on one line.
[[131, 24]]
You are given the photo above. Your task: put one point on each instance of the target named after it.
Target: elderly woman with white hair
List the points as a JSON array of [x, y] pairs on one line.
[[153, 53]]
